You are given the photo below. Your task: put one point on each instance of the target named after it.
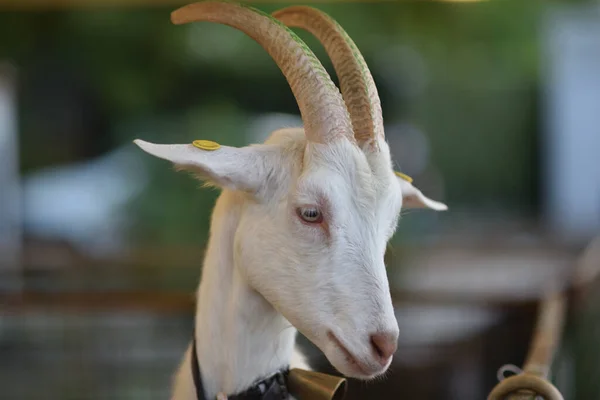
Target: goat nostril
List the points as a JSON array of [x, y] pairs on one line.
[[385, 345]]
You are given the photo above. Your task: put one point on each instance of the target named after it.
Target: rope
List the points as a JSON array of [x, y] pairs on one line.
[[530, 382], [525, 381], [501, 374]]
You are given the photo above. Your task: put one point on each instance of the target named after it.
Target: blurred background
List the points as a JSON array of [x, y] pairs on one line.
[[491, 106]]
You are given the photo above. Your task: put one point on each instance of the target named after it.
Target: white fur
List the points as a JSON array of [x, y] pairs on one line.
[[266, 273]]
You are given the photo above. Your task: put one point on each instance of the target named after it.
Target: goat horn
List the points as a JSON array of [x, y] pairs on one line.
[[321, 105], [356, 82]]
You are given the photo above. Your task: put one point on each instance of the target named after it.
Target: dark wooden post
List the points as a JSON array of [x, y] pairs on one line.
[[10, 198]]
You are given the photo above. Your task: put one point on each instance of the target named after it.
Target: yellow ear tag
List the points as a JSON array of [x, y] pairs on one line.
[[206, 145], [403, 176]]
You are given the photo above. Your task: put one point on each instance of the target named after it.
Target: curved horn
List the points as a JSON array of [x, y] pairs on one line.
[[356, 82], [322, 108]]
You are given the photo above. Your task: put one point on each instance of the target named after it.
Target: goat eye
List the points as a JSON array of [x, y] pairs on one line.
[[311, 215]]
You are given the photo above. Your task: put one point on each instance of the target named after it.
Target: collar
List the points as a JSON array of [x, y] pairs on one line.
[[301, 383], [271, 388]]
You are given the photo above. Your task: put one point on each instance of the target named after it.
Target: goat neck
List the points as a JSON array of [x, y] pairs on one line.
[[240, 337]]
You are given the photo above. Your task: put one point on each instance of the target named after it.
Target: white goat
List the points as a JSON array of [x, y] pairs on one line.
[[298, 234]]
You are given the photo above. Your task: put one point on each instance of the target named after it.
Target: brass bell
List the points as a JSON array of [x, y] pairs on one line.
[[311, 385]]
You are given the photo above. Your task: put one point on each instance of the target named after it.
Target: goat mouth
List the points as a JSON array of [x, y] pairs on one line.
[[350, 358]]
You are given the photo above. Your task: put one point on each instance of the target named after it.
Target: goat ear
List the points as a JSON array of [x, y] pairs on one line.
[[244, 168], [414, 198]]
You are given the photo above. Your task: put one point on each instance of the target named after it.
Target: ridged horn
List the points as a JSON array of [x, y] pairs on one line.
[[321, 105], [356, 82]]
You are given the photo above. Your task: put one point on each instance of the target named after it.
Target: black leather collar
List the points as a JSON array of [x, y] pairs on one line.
[[272, 388]]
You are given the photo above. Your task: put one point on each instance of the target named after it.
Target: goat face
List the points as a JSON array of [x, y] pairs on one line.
[[315, 251], [317, 256], [312, 236]]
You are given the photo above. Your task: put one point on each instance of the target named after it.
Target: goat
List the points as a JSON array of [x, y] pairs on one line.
[[299, 231]]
